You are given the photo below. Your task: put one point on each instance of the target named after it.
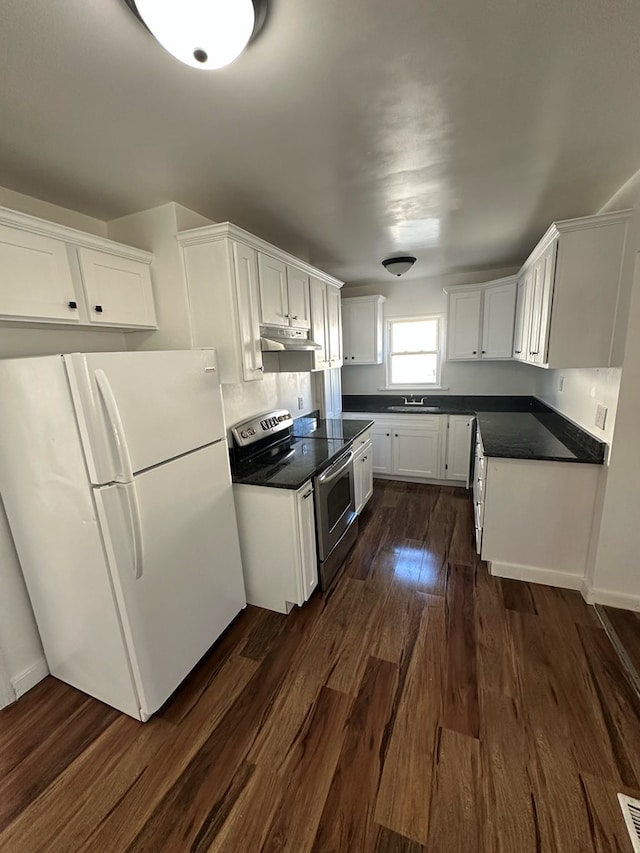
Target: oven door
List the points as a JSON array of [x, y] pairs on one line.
[[335, 503]]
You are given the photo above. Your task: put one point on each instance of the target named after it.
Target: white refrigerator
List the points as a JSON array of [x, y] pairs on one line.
[[114, 473]]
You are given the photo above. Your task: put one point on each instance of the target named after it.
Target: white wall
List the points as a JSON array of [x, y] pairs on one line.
[[277, 390], [614, 577], [582, 390], [412, 298]]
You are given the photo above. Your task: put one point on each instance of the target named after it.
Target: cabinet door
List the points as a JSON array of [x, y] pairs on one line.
[[334, 322], [118, 290], [463, 325], [523, 319], [458, 448], [381, 448], [35, 278], [548, 279], [319, 323], [274, 302], [307, 538], [298, 301], [542, 287], [416, 452], [245, 262], [360, 329], [497, 321], [366, 475]]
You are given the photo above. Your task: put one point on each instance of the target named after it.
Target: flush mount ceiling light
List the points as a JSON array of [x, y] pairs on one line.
[[205, 34], [399, 266]]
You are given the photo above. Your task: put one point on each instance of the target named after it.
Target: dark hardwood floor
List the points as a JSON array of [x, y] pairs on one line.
[[421, 705], [626, 626]]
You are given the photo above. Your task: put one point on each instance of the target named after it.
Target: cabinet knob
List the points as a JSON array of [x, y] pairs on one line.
[[73, 305], [534, 352], [364, 458], [388, 434], [396, 435], [287, 316], [295, 317], [484, 351], [98, 309], [475, 352], [352, 357], [518, 351]]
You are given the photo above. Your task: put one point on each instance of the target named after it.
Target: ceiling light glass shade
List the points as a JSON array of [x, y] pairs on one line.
[[398, 266], [205, 34]]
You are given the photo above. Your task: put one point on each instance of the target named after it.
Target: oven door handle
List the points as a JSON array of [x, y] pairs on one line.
[[332, 474]]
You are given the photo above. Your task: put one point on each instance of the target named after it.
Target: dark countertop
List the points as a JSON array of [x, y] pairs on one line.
[[440, 404], [522, 435], [292, 471], [511, 427]]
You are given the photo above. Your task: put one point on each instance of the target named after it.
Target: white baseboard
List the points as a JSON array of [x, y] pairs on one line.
[[531, 574], [30, 677], [593, 595]]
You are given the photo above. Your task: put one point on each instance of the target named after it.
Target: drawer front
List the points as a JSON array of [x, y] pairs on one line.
[[478, 512], [361, 440]]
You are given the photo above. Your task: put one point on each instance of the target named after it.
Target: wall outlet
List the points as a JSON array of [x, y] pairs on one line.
[[601, 415], [561, 384], [300, 402]]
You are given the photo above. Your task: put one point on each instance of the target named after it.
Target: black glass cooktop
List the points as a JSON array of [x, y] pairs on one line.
[[290, 465]]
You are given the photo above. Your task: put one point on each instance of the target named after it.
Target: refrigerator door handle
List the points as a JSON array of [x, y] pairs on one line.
[[136, 529], [115, 421]]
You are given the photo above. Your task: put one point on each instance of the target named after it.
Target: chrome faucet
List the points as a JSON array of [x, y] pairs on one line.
[[411, 402]]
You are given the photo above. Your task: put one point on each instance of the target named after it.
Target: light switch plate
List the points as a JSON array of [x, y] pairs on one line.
[[300, 402], [601, 415]]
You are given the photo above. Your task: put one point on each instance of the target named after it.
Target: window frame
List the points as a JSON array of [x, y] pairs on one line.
[[439, 351]]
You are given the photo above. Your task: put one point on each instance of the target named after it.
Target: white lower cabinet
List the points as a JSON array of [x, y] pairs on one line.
[[533, 518], [363, 470], [458, 462], [409, 447], [277, 544], [416, 451]]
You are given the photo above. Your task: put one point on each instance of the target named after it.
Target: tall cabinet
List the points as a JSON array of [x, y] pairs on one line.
[[237, 282]]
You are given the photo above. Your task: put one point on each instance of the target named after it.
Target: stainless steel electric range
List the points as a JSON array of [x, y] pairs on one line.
[[267, 452]]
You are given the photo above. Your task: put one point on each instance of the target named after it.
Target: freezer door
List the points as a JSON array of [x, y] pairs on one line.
[[139, 409], [178, 578]]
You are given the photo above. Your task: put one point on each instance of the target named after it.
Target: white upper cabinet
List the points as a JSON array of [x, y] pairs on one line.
[[325, 324], [480, 320], [568, 293], [298, 298], [237, 282], [362, 330], [499, 305], [523, 318], [274, 301], [463, 324], [35, 278], [118, 290], [334, 319], [284, 294], [53, 274]]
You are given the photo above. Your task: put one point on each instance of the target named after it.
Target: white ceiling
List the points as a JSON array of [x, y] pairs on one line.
[[456, 130]]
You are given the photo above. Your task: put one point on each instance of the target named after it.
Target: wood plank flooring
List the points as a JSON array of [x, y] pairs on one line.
[[626, 625], [421, 705]]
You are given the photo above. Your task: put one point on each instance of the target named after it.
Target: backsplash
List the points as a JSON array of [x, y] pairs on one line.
[[275, 391]]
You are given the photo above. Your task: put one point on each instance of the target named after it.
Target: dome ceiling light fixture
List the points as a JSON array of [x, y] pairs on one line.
[[399, 266], [205, 34]]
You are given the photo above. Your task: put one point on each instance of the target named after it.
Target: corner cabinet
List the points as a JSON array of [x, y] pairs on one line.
[[57, 275], [362, 330], [480, 320], [236, 282], [277, 544], [568, 293]]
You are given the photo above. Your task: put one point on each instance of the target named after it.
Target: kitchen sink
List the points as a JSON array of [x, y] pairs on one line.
[[413, 407]]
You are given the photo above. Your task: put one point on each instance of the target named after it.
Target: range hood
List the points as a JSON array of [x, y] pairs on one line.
[[275, 339]]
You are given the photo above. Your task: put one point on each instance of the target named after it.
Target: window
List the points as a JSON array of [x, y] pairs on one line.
[[414, 353]]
